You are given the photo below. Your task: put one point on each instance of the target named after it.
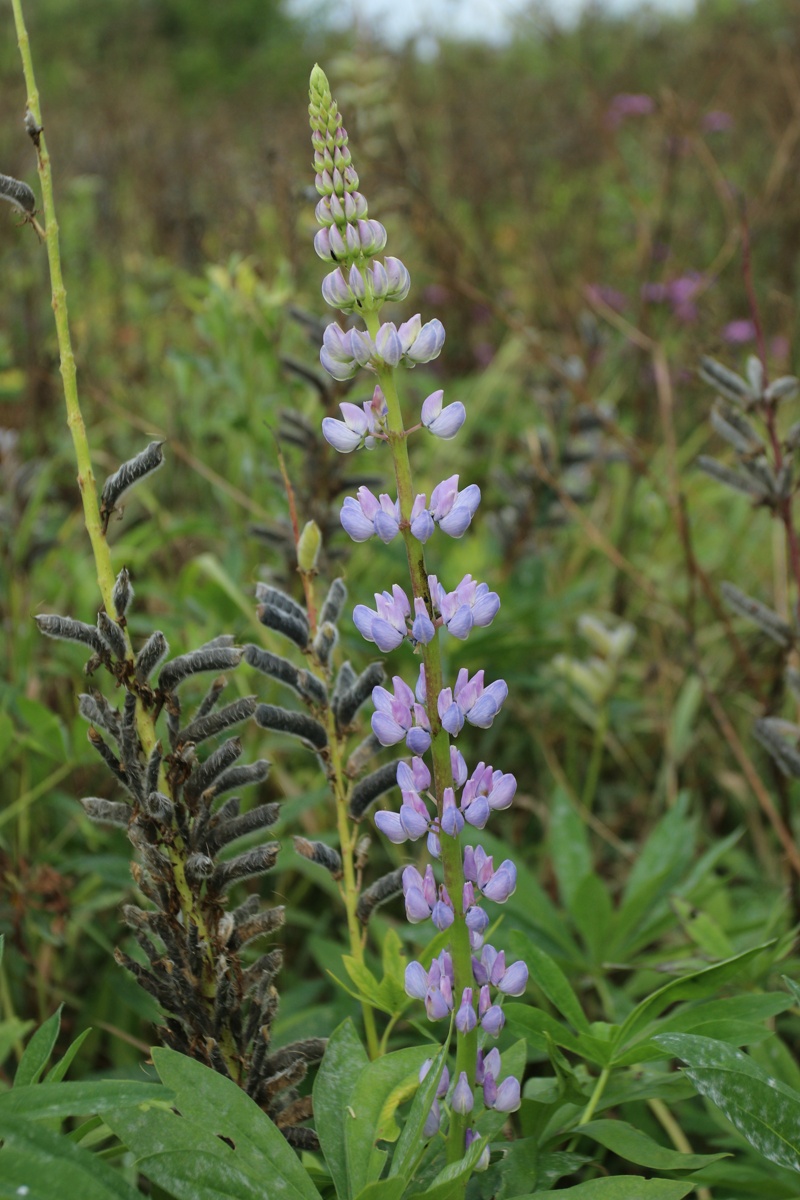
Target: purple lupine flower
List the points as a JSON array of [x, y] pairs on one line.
[[445, 422], [349, 433], [466, 1019], [416, 981], [502, 884], [497, 788], [453, 510], [360, 512], [409, 824], [492, 1017], [337, 355], [471, 1136], [422, 343], [508, 1097], [434, 1116], [452, 819], [716, 121], [462, 1099], [628, 104], [737, 333], [488, 1063], [515, 980], [468, 605], [386, 627], [421, 521], [471, 701], [413, 778], [399, 716], [422, 629]]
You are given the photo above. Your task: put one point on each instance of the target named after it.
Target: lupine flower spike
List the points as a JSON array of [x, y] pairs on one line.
[[466, 982]]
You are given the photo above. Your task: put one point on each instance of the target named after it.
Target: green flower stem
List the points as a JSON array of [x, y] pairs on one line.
[[594, 1099], [86, 482], [596, 760], [452, 861]]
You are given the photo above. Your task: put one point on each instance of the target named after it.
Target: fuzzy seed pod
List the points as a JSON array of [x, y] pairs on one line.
[[273, 597], [150, 655], [65, 629], [321, 854], [324, 642], [199, 866], [18, 194], [122, 593], [262, 972], [252, 862], [248, 908], [111, 635], [345, 679], [310, 1050], [214, 658], [96, 709], [768, 621], [209, 726], [731, 478], [130, 473], [351, 701], [269, 716], [264, 922], [217, 762], [239, 777], [107, 812], [303, 682], [159, 808], [334, 603], [363, 752], [210, 699], [774, 736], [726, 381], [367, 790], [382, 890], [108, 757], [226, 832], [289, 626], [153, 769]]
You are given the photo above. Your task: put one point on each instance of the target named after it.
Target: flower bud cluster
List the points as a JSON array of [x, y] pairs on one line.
[[469, 992]]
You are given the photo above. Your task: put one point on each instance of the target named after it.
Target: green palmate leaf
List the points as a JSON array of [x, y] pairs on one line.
[[379, 1088], [45, 1163], [633, 1187], [764, 1110], [344, 1059], [593, 914], [12, 1031], [38, 1051], [689, 987], [536, 1026], [518, 1167], [411, 1145], [569, 846], [701, 928], [383, 1189], [394, 971], [550, 979], [41, 1101], [793, 987], [221, 1108], [200, 1175], [59, 1070], [637, 1147]]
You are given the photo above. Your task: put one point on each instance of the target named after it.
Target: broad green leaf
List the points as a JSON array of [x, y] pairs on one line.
[[550, 979], [749, 1006], [702, 929], [683, 726], [59, 1070], [633, 1187], [394, 971], [41, 1101], [518, 1166], [384, 1189], [38, 1051], [793, 987], [411, 1145], [637, 1147], [223, 1109], [375, 1084], [201, 1175], [34, 1157], [569, 847], [689, 987], [764, 1110], [344, 1058], [369, 988]]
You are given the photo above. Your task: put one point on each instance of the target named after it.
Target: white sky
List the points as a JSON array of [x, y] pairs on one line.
[[489, 20]]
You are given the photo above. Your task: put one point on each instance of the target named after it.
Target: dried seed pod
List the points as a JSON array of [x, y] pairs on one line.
[[269, 716], [122, 593], [68, 630], [773, 735], [350, 702], [345, 679], [285, 623], [246, 909], [214, 658], [768, 621], [302, 681], [215, 722], [159, 807], [310, 1050], [782, 388], [199, 867], [382, 890], [130, 473], [107, 812], [261, 973], [732, 479], [32, 127], [153, 769], [735, 429], [108, 757], [252, 862], [368, 789], [273, 597], [334, 603], [18, 194], [321, 854], [150, 655]]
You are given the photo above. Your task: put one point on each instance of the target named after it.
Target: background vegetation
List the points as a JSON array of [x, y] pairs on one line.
[[575, 248]]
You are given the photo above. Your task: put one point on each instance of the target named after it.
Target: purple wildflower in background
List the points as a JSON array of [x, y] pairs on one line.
[[628, 104], [739, 332], [678, 293], [469, 980], [717, 121]]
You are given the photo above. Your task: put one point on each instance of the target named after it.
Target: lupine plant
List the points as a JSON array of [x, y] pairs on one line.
[[427, 714]]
